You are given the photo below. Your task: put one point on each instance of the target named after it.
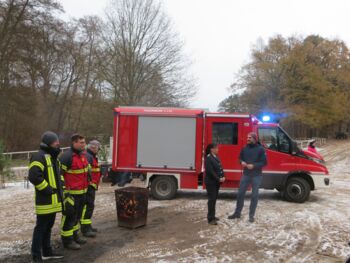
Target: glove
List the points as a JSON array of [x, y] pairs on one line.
[[92, 186], [89, 175], [48, 190]]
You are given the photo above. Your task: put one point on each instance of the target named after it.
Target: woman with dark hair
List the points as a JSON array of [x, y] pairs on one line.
[[312, 148], [214, 175]]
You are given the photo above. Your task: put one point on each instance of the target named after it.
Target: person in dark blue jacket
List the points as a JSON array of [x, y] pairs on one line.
[[252, 159], [44, 175], [214, 175]]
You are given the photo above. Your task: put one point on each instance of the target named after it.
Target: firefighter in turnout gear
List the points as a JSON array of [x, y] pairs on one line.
[[75, 169], [86, 228], [44, 175]]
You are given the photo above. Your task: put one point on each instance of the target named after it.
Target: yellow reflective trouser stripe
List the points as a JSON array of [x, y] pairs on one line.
[[36, 163], [42, 185], [94, 185], [79, 171], [67, 233], [84, 221], [76, 227], [95, 170], [69, 200], [48, 209], [76, 192]]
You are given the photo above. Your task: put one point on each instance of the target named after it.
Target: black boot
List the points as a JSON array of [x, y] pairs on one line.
[[69, 243], [87, 232], [72, 245], [213, 222], [37, 259], [78, 239], [234, 216]]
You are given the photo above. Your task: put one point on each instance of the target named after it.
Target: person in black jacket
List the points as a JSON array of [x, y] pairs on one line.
[[214, 175], [252, 159], [44, 175]]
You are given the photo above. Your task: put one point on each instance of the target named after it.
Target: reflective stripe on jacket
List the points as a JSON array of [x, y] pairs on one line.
[[75, 168], [95, 169], [44, 176]]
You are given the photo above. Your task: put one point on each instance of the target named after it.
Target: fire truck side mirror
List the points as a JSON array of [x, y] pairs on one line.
[[295, 148]]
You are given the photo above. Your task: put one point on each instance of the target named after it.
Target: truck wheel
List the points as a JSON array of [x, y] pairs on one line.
[[163, 187], [297, 190]]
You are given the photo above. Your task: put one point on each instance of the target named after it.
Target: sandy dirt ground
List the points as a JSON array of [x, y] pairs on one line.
[[177, 230]]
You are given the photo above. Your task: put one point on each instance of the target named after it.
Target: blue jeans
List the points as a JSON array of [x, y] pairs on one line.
[[255, 181]]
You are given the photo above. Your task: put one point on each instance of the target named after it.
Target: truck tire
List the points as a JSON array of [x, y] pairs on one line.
[[163, 187], [297, 190]]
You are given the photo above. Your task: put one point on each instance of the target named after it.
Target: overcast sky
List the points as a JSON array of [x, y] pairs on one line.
[[219, 34]]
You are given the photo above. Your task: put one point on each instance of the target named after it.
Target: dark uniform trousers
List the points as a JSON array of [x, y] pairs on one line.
[[213, 192], [42, 234], [71, 222], [89, 207]]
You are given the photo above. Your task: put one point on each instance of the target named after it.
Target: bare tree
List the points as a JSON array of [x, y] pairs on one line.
[[145, 64], [21, 22], [89, 38], [67, 76]]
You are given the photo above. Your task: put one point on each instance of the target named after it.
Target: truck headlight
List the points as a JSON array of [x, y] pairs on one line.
[[317, 160]]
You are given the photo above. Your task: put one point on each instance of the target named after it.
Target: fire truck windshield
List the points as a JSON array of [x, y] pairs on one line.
[[276, 139]]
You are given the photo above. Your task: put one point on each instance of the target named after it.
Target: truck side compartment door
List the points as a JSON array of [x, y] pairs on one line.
[[227, 133]]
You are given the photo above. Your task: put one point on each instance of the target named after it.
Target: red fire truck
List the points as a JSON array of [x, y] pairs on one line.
[[165, 147]]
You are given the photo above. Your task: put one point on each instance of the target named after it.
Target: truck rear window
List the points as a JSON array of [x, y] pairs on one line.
[[225, 133]]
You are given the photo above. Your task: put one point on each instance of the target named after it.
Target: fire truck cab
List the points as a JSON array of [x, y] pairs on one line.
[[165, 146]]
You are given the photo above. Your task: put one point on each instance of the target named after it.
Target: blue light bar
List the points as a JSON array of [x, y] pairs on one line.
[[266, 118]]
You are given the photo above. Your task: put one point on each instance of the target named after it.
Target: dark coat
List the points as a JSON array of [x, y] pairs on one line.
[[253, 154], [43, 174], [213, 170]]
